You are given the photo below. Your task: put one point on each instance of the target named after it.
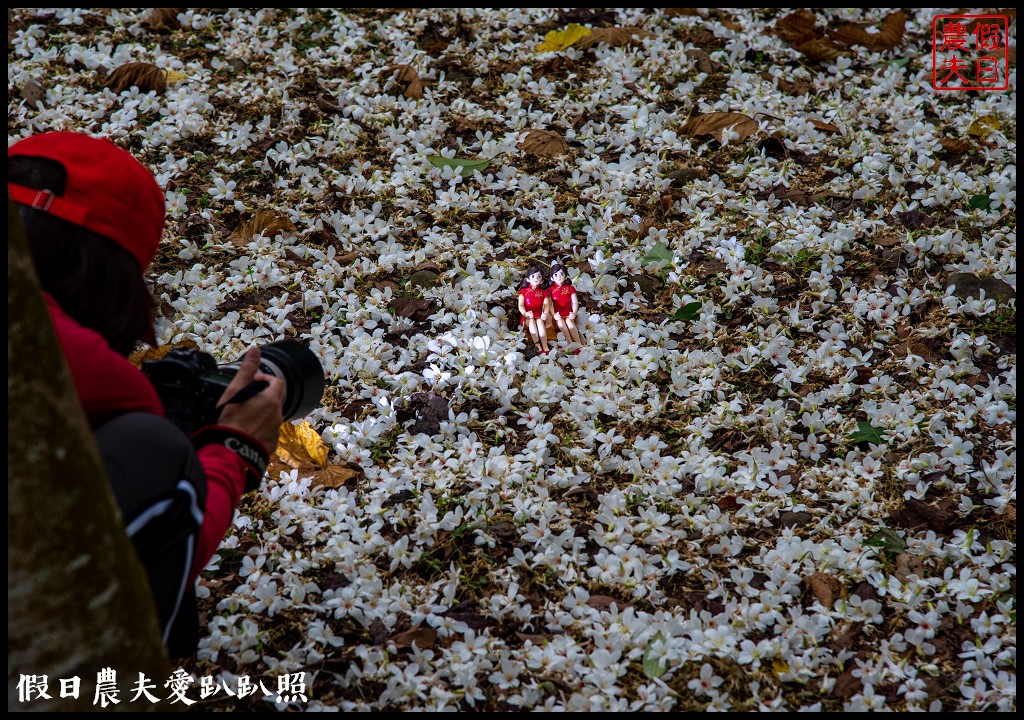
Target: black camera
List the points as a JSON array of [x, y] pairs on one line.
[[190, 382]]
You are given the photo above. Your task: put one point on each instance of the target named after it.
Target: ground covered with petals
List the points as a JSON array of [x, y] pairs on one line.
[[780, 473]]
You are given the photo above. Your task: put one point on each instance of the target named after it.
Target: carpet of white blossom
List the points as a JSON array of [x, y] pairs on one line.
[[779, 474]]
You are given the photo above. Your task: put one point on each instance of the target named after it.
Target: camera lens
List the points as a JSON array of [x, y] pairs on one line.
[[301, 371]]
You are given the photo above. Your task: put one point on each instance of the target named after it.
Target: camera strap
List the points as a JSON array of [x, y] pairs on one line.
[[249, 391], [249, 449]]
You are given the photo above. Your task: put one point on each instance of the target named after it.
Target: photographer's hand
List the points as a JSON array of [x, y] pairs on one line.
[[261, 415]]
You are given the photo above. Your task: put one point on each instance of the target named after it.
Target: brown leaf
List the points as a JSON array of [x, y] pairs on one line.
[[887, 241], [300, 447], [847, 685], [702, 60], [798, 27], [33, 94], [714, 124], [916, 513], [264, 222], [645, 224], [413, 85], [603, 603], [797, 87], [826, 126], [820, 50], [162, 18], [826, 588], [145, 76], [956, 145], [325, 103], [682, 12], [727, 503], [907, 565], [543, 143], [412, 308], [889, 35], [423, 637], [336, 476], [614, 36]]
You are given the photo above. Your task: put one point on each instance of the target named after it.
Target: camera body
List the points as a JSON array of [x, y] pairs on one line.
[[190, 383]]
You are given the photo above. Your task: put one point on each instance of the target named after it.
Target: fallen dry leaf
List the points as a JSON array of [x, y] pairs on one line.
[[162, 18], [265, 222], [603, 603], [820, 50], [716, 123], [336, 476], [826, 588], [614, 36], [701, 60], [983, 126], [423, 637], [543, 143], [407, 75], [826, 126], [33, 94], [798, 27], [907, 565], [956, 145], [886, 38], [561, 39], [145, 76], [300, 447]]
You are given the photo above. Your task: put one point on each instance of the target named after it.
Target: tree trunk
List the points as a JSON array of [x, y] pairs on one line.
[[77, 597]]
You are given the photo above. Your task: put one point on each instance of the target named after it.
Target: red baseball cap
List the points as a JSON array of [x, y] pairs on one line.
[[108, 191]]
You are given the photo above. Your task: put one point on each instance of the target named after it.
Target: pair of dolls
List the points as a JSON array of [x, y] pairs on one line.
[[543, 304]]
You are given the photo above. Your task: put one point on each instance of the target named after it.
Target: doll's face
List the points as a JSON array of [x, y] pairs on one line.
[[534, 279], [558, 276]]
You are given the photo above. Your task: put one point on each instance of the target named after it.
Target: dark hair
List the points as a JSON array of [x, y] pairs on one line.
[[530, 271], [555, 268], [93, 279]]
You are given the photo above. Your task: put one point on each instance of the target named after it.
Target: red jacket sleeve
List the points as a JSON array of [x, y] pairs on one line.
[[225, 483]]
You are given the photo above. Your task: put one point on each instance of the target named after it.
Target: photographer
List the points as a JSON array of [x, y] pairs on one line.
[[93, 215]]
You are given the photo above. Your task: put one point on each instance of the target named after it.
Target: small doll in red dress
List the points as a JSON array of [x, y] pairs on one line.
[[564, 304], [534, 306]]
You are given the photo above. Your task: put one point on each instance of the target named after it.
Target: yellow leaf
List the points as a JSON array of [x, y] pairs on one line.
[[561, 39], [299, 446], [983, 126], [779, 666], [173, 76]]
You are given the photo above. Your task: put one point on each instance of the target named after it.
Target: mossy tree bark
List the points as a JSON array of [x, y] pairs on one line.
[[77, 597]]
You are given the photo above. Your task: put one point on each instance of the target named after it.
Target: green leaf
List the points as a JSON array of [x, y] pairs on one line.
[[654, 667], [980, 202], [887, 540], [657, 254], [866, 432], [688, 311], [467, 166], [896, 62]]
